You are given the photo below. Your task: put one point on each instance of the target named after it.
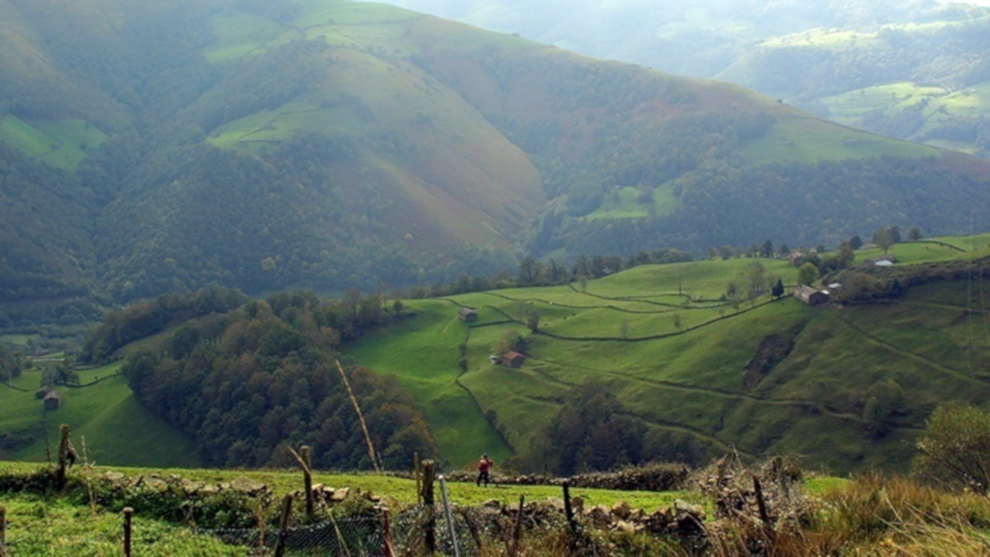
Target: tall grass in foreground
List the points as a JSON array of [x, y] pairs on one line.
[[872, 516]]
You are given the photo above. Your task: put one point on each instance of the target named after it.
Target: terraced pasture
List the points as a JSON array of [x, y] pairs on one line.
[[676, 354]]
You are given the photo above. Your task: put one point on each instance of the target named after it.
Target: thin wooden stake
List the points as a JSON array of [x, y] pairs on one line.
[[283, 526], [517, 530], [567, 507], [307, 479], [473, 527], [339, 534], [430, 536], [419, 475], [760, 502], [63, 456], [128, 514], [305, 463], [357, 408], [389, 549], [3, 531]]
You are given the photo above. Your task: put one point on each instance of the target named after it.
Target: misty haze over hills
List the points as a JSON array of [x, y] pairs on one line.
[[917, 70]]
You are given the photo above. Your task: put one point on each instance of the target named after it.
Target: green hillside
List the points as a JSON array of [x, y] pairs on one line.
[[104, 415], [839, 59], [151, 147], [675, 352], [923, 81]]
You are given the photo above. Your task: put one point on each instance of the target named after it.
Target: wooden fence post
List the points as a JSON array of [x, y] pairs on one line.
[[3, 532], [567, 507], [517, 530], [128, 514], [307, 479], [430, 536], [302, 457], [386, 522], [63, 456], [419, 474], [283, 526], [760, 502]]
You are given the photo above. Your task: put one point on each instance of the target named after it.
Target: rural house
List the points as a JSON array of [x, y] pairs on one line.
[[53, 400], [513, 359], [811, 296], [467, 315]]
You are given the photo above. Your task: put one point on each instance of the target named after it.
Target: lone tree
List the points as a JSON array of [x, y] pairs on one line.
[[808, 273], [756, 280], [955, 448], [533, 321], [778, 288], [884, 238]]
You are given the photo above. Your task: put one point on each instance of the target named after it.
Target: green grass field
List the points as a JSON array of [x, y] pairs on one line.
[[929, 107], [60, 143], [664, 340], [676, 354], [105, 417], [623, 204], [807, 140], [422, 354]]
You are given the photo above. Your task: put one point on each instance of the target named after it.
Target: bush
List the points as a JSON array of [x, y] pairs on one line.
[[955, 448]]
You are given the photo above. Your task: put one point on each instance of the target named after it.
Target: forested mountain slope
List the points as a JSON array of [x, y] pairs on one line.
[[916, 70], [157, 146]]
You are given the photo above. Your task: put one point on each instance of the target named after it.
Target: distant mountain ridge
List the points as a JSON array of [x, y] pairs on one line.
[[155, 146], [917, 70]]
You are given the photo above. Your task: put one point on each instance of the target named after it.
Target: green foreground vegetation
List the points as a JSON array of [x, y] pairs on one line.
[[814, 515]]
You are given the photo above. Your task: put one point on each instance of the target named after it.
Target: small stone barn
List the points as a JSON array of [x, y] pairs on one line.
[[513, 359], [811, 296], [467, 315], [53, 400]]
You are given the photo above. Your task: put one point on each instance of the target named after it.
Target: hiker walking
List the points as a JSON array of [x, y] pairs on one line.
[[484, 465]]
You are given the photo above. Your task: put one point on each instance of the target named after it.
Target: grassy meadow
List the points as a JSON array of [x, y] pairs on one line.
[[64, 144], [105, 418], [663, 338], [675, 352], [933, 107], [808, 140]]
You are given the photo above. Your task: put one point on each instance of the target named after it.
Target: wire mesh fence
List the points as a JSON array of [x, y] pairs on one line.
[[358, 536], [403, 534]]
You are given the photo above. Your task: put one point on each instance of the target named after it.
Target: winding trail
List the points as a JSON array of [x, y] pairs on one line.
[[873, 339]]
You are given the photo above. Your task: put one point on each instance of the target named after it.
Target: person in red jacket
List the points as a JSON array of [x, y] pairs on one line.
[[484, 465]]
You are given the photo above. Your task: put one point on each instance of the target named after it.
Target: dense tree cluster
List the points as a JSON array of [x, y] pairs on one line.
[[593, 432], [150, 317], [779, 199], [867, 283], [247, 383], [533, 272], [11, 363]]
